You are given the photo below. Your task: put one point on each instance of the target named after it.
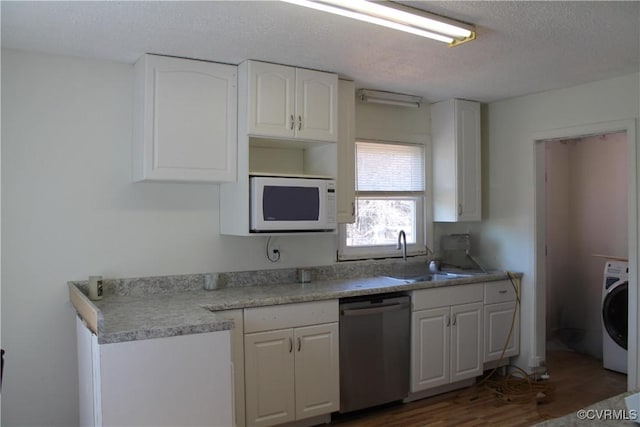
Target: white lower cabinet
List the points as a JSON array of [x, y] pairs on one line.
[[291, 373], [269, 378], [183, 380], [447, 336], [500, 304], [466, 341], [316, 370]]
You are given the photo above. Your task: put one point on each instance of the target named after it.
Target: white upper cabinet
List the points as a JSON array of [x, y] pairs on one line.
[[316, 105], [185, 124], [346, 153], [288, 102], [455, 138], [271, 99]]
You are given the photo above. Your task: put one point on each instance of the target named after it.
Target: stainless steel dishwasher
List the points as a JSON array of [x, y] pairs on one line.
[[374, 350]]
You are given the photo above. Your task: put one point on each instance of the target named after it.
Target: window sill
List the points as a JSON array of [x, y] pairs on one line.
[[364, 257]]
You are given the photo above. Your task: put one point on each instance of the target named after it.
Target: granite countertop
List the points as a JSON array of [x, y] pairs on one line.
[[609, 412], [142, 316]]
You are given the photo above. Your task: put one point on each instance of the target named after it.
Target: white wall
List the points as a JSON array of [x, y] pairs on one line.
[[559, 260], [587, 216], [69, 209], [510, 127], [598, 204]]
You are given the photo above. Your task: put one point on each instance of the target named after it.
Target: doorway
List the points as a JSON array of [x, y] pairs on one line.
[[584, 335], [586, 225]]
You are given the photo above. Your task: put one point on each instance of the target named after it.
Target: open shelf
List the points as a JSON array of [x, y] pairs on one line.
[[292, 158], [289, 175]]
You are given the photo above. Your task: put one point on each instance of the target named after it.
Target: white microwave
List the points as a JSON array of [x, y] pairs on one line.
[[282, 204]]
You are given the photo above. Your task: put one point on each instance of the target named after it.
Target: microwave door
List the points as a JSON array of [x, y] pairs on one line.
[[293, 205]]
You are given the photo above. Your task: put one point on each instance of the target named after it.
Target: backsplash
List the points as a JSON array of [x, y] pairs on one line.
[[167, 285]]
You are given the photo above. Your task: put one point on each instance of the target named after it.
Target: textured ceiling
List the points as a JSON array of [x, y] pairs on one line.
[[522, 47]]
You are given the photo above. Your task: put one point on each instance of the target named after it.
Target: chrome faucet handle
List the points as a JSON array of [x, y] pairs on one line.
[[402, 244]]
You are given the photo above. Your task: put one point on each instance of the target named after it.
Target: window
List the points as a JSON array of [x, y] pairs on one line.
[[390, 182]]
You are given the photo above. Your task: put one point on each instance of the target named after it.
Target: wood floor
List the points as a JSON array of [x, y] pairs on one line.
[[578, 380]]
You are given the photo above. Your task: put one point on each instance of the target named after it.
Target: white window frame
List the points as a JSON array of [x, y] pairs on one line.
[[419, 247]]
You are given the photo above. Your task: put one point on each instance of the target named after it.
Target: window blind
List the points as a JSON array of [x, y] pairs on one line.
[[389, 167]]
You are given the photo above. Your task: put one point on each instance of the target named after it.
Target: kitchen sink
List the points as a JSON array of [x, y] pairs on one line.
[[409, 278], [425, 278]]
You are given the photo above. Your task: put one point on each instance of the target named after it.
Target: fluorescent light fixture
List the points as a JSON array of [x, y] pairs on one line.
[[388, 98], [397, 17]]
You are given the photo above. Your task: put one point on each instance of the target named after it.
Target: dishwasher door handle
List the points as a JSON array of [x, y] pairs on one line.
[[373, 310]]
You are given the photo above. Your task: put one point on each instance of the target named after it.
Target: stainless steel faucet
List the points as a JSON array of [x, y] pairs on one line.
[[402, 244]]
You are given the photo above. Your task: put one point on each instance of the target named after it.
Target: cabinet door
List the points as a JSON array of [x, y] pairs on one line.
[[185, 120], [469, 156], [317, 370], [455, 140], [269, 377], [430, 348], [466, 341], [271, 100], [316, 105], [497, 324], [346, 153]]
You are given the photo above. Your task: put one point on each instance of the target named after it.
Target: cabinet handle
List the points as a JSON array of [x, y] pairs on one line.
[[502, 292], [299, 344], [448, 321], [454, 320], [299, 123], [290, 345], [459, 209], [353, 208], [292, 122]]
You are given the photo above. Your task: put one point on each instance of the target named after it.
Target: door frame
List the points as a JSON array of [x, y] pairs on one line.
[[539, 240]]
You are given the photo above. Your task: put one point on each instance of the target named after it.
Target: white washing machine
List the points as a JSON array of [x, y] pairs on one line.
[[615, 300]]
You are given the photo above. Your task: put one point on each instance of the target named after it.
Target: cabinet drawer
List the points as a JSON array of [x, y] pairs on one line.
[[258, 319], [446, 296], [500, 291]]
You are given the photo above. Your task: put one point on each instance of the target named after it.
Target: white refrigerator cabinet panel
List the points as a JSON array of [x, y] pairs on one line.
[[184, 380]]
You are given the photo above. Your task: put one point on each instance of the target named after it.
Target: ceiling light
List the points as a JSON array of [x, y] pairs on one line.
[[397, 17], [389, 98]]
